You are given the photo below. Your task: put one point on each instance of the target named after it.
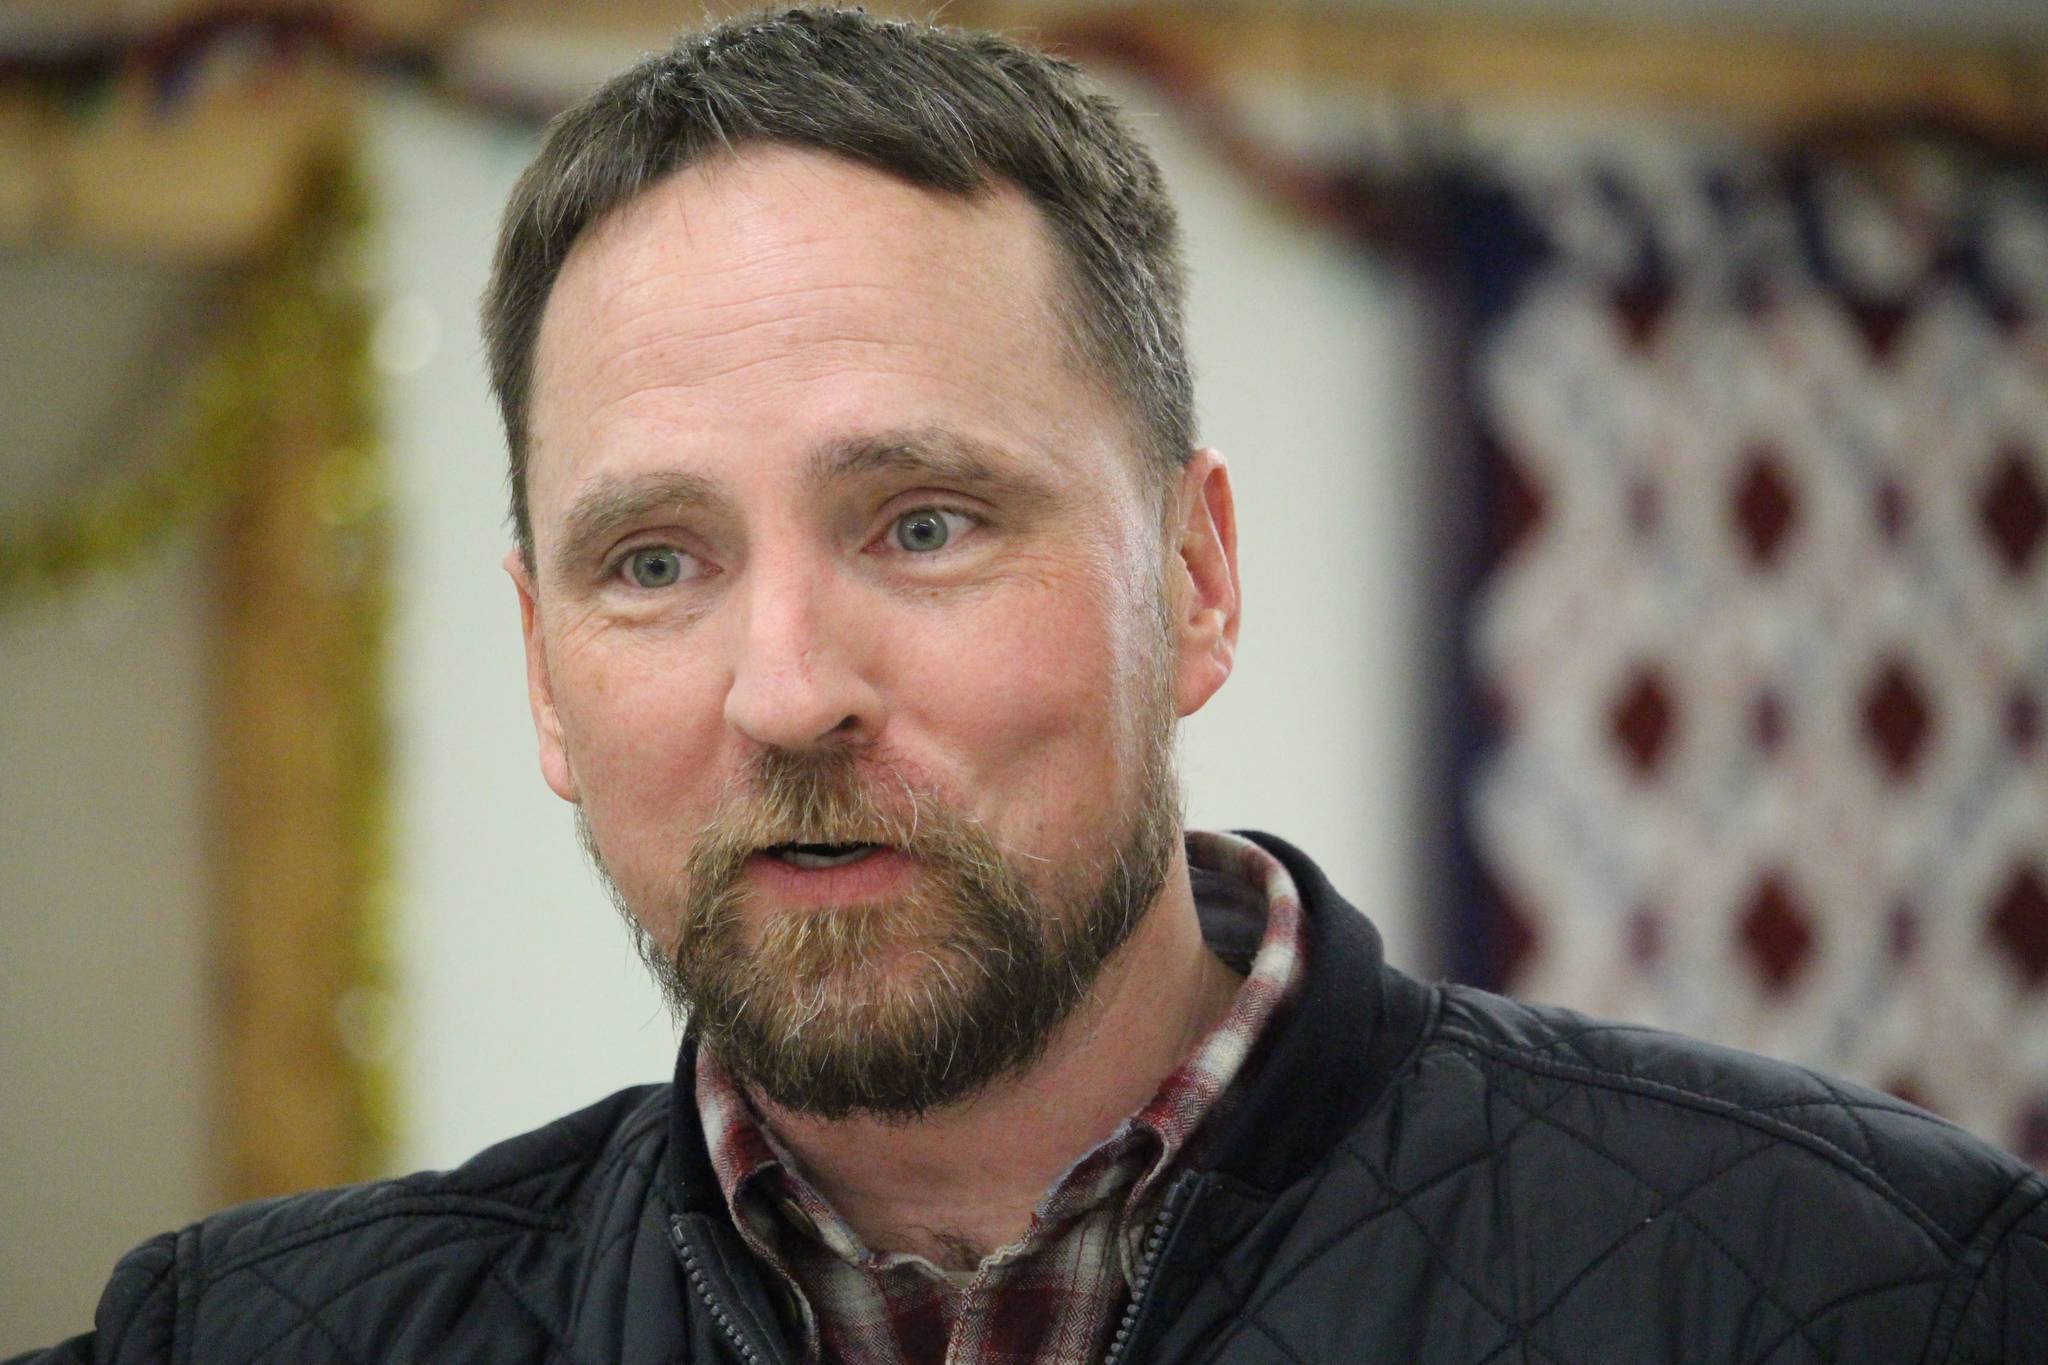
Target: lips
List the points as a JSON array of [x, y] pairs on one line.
[[810, 875], [812, 857]]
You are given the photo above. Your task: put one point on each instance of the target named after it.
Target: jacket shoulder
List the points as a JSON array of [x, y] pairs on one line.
[[1928, 1171], [1535, 1184], [1844, 1221], [535, 1180], [350, 1273]]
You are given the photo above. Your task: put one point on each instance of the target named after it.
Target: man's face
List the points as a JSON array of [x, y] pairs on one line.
[[851, 629]]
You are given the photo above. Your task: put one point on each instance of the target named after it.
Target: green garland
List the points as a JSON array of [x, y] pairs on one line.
[[351, 505], [297, 286], [297, 331]]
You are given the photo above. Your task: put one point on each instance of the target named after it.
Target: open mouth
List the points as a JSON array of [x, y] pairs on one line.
[[820, 855]]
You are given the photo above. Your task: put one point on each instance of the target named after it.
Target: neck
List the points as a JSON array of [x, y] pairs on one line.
[[956, 1184]]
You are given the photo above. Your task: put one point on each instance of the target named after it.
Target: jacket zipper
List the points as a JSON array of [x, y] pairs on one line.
[[1177, 1198], [703, 1288]]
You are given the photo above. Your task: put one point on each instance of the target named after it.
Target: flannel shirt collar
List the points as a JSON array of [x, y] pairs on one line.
[[1093, 1220]]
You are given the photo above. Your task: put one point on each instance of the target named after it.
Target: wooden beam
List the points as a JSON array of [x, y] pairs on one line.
[[213, 178], [56, 25], [1753, 77], [1750, 76], [302, 1004]]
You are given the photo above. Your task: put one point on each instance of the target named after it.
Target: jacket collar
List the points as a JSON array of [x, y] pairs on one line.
[[1304, 1098]]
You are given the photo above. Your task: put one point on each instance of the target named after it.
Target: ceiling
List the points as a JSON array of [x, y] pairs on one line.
[[42, 26], [1864, 18]]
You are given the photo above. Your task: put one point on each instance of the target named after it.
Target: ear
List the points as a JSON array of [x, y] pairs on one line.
[[540, 692], [1203, 576]]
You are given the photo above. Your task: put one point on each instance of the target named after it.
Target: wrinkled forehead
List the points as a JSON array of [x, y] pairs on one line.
[[756, 238]]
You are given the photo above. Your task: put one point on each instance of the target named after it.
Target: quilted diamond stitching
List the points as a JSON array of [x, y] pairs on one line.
[[2007, 1232], [1537, 1108], [1758, 1282], [1349, 1148], [480, 1221], [1842, 1104], [1532, 1115], [2015, 1266], [309, 1317], [1399, 1205], [1559, 1034], [158, 1278], [1518, 1330], [255, 1269], [1570, 1039], [558, 1336], [1508, 1343], [1881, 1105], [1236, 1281], [645, 1165], [1666, 1204], [1837, 1304], [1650, 1088], [1854, 1112], [1273, 1338]]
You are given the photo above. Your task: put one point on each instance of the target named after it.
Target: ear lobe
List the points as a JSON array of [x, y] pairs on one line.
[[540, 692], [1206, 596]]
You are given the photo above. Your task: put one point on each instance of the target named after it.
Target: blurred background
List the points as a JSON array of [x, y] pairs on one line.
[[1639, 415]]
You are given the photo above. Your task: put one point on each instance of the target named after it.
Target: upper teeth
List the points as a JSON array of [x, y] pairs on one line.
[[823, 855]]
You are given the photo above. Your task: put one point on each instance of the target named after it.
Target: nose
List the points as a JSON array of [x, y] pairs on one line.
[[796, 681]]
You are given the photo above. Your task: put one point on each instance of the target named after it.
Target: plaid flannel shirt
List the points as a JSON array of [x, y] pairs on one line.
[[1054, 1296]]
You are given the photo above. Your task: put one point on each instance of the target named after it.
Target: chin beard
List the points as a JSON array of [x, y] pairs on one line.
[[894, 1007]]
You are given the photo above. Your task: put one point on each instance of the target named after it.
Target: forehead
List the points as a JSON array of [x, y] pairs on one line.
[[732, 229], [780, 299]]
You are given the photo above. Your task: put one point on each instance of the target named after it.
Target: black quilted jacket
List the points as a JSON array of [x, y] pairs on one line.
[[1422, 1174]]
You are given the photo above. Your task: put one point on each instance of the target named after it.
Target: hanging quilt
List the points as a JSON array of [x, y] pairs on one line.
[[1762, 652]]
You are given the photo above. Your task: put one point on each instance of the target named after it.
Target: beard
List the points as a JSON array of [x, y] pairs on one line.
[[900, 1005]]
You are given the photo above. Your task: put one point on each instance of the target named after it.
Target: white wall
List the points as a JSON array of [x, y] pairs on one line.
[[523, 996], [1306, 376], [105, 1028]]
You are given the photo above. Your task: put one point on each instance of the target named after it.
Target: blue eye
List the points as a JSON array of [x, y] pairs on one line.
[[657, 566], [926, 529]]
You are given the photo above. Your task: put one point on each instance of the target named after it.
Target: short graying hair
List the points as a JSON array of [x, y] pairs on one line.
[[940, 108]]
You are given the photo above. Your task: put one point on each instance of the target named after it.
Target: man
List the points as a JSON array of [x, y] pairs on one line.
[[865, 563]]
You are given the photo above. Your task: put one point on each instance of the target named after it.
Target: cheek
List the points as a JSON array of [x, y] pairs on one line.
[[640, 726], [1032, 698]]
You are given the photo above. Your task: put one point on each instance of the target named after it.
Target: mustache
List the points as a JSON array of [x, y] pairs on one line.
[[828, 796]]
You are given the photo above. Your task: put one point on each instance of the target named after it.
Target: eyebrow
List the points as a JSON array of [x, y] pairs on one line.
[[606, 505], [938, 453]]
